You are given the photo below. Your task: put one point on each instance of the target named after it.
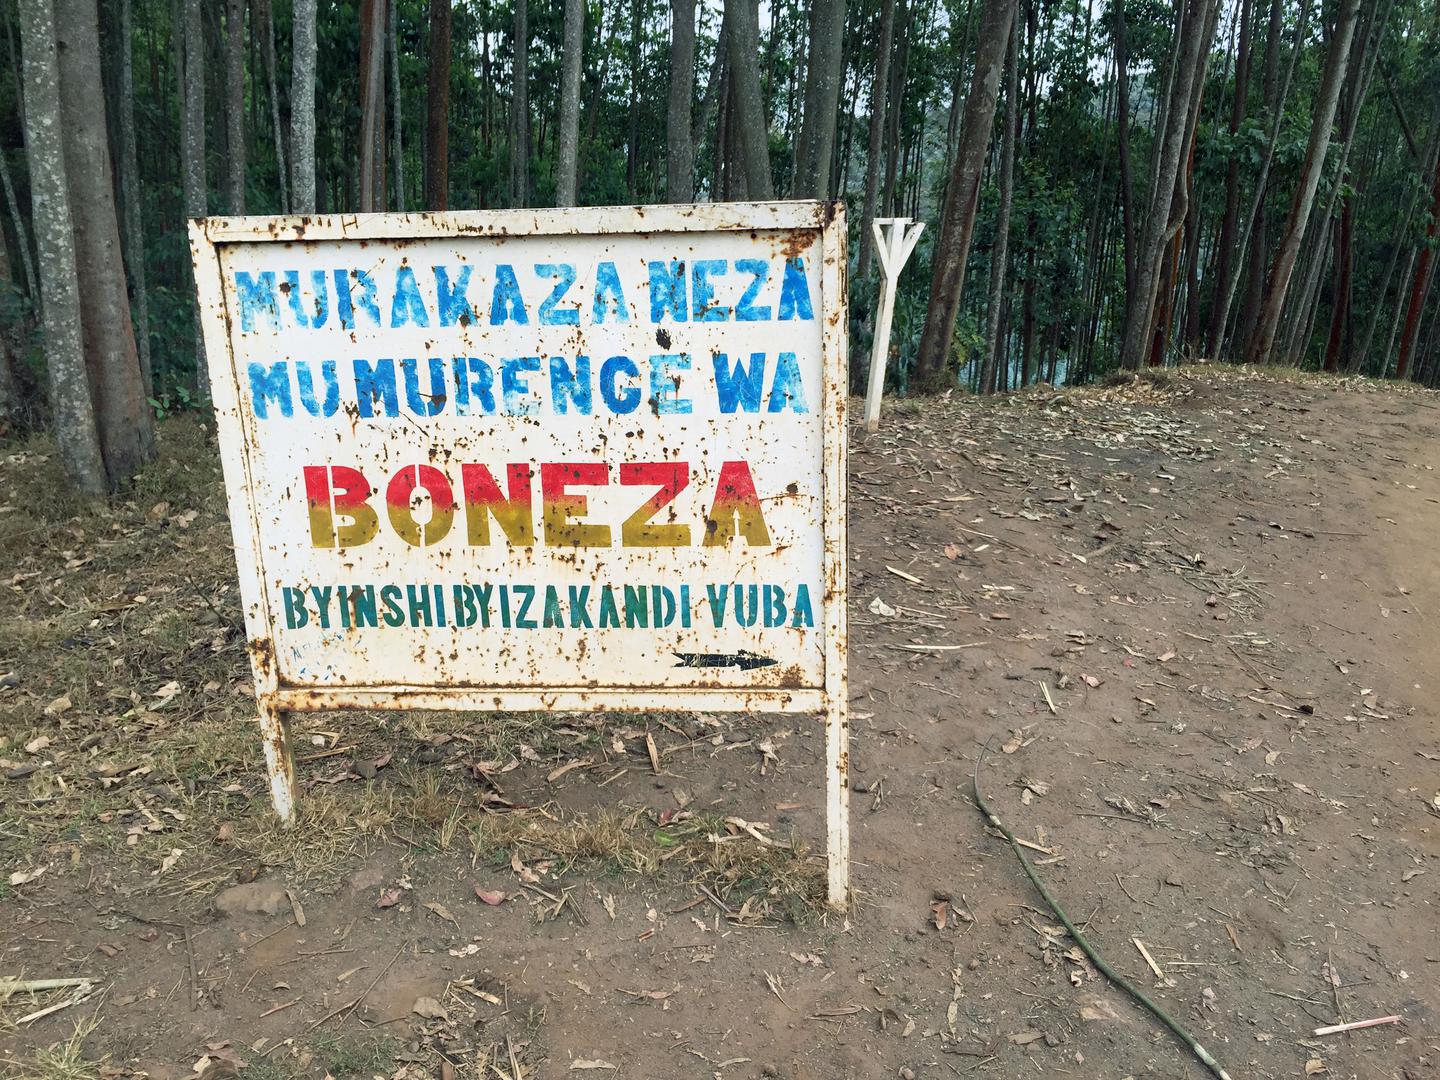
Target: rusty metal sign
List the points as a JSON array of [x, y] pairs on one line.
[[550, 459]]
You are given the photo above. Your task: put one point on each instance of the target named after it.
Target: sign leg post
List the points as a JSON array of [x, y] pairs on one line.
[[279, 761], [837, 802], [878, 355]]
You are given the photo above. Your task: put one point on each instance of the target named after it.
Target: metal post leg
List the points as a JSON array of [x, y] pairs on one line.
[[837, 802], [279, 761]]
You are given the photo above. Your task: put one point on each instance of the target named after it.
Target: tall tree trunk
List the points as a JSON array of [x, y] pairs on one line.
[[1230, 219], [752, 132], [1193, 34], [76, 433], [879, 103], [957, 223], [1344, 270], [520, 111], [133, 232], [999, 252], [1122, 135], [122, 414], [632, 139], [302, 108], [1262, 340], [1420, 283], [22, 234], [372, 105], [192, 154], [263, 11], [235, 106], [437, 110], [680, 147], [568, 138], [822, 95], [397, 107]]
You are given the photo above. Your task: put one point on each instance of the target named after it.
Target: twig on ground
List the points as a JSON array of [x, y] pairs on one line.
[[1336, 1029], [1095, 958]]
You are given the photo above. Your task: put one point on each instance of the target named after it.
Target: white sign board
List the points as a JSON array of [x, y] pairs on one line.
[[536, 459]]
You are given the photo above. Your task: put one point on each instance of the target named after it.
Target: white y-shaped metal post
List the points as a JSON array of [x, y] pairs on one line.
[[893, 250]]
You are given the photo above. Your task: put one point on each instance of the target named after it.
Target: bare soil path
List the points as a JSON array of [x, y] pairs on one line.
[[1195, 619]]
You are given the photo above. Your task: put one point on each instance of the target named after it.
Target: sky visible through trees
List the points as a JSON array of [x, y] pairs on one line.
[[1107, 183]]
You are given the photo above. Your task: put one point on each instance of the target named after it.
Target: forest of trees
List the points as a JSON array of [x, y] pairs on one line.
[[1109, 183]]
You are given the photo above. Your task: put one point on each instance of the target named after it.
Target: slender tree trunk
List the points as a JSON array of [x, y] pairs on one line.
[[1230, 220], [752, 132], [192, 154], [76, 433], [1193, 34], [520, 111], [302, 108], [879, 103], [1122, 130], [680, 148], [372, 104], [129, 173], [264, 12], [1420, 283], [235, 106], [1344, 269], [397, 107], [1253, 238], [22, 235], [1262, 341], [957, 225], [999, 252], [632, 140], [437, 110], [569, 134], [822, 95]]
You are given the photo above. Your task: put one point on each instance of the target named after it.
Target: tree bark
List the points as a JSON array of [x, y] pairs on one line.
[[957, 225], [117, 390], [568, 137], [1262, 340], [520, 111], [133, 232], [1420, 283], [1230, 219], [752, 132], [76, 434], [680, 148], [397, 107], [235, 107], [265, 13], [822, 95], [192, 154], [302, 108], [999, 252], [372, 105], [437, 109], [879, 104], [1122, 136], [1193, 34], [22, 235]]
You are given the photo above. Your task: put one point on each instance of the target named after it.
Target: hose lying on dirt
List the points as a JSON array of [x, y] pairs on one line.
[[1105, 969]]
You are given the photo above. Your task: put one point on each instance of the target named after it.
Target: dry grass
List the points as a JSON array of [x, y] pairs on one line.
[[60, 1061], [127, 725]]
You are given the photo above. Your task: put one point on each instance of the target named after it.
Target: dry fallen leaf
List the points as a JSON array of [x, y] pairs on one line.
[[492, 897], [440, 910], [389, 897], [430, 1009], [1314, 1066]]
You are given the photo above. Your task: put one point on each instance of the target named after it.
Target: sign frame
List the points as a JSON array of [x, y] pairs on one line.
[[276, 701]]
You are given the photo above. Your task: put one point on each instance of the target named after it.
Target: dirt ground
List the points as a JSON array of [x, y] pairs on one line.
[[1191, 616]]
